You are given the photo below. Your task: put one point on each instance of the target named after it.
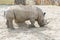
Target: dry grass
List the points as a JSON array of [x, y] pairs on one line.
[[6, 1]]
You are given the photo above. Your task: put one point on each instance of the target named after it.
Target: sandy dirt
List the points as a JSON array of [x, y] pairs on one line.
[[51, 31]]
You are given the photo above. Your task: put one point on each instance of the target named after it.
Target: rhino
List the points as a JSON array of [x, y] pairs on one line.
[[21, 13]]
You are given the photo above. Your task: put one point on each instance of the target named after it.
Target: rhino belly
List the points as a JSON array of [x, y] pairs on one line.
[[20, 20]]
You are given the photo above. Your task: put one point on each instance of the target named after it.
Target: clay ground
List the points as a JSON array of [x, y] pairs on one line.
[[51, 31]]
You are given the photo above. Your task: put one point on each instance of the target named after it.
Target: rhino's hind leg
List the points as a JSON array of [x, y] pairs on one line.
[[9, 24], [32, 22]]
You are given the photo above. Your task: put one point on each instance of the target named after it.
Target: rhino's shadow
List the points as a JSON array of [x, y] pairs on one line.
[[23, 27]]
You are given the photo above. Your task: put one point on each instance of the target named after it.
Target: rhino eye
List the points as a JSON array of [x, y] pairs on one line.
[[42, 21]]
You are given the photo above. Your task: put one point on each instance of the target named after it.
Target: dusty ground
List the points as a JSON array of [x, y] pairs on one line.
[[50, 32]]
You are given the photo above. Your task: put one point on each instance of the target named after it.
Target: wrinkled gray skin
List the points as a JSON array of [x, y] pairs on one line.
[[22, 13]]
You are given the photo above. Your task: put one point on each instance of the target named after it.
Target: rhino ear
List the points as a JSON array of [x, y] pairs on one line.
[[44, 13]]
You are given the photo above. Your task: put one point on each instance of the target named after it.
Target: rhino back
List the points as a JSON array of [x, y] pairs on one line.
[[25, 12]]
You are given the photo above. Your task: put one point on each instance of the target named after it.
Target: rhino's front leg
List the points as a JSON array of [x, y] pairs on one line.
[[32, 22], [9, 24]]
